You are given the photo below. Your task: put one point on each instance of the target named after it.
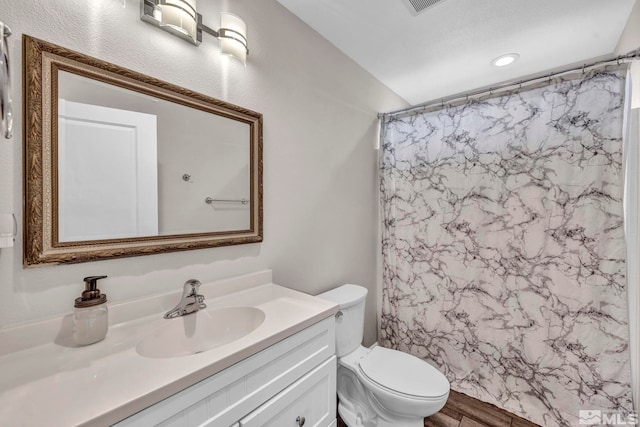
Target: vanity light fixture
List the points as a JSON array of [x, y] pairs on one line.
[[180, 15], [181, 18], [504, 60]]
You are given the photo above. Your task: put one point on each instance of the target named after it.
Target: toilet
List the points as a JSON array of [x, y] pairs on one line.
[[379, 387]]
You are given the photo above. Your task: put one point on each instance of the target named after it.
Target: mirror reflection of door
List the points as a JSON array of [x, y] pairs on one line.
[[107, 173]]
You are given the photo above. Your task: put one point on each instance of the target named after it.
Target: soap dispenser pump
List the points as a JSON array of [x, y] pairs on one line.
[[90, 315]]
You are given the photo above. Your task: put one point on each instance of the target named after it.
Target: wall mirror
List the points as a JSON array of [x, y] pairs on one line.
[[117, 163]]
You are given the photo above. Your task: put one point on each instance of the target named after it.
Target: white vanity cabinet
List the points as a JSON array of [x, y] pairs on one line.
[[291, 383], [310, 401]]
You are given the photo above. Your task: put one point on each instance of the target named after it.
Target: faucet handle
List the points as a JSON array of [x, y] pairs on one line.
[[190, 288]]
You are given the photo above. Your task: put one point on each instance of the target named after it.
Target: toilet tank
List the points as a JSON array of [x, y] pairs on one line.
[[349, 325]]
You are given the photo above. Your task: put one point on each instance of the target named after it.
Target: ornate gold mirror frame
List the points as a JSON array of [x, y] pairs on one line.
[[41, 63]]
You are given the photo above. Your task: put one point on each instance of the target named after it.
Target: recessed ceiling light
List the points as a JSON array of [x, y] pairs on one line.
[[504, 60]]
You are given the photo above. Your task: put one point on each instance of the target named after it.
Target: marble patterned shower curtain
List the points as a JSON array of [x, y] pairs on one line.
[[503, 246]]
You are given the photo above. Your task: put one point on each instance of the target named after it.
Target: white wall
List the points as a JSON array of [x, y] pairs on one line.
[[319, 151], [630, 38], [219, 168], [632, 225]]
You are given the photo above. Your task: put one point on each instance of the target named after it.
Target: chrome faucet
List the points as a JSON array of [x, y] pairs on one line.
[[190, 302]]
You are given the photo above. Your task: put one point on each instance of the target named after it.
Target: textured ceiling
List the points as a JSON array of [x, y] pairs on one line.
[[447, 49]]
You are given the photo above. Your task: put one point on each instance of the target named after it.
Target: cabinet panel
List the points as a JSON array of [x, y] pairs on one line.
[[312, 398]]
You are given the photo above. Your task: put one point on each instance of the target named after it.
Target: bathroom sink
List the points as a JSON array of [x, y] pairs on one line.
[[199, 332]]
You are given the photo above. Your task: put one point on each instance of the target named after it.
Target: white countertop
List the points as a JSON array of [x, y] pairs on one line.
[[56, 384]]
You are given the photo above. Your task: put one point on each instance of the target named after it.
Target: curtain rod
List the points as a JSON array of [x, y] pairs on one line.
[[634, 54]]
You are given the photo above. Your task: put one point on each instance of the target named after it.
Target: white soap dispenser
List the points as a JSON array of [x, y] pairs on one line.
[[90, 316]]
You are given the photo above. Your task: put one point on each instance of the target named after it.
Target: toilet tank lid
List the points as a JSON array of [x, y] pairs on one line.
[[346, 295]]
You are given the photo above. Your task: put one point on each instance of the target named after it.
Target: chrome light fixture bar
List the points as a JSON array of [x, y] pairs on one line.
[[181, 18]]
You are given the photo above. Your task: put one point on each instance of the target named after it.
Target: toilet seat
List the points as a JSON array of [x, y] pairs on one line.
[[403, 374]]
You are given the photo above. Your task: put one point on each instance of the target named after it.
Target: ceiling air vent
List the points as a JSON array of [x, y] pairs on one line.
[[416, 7]]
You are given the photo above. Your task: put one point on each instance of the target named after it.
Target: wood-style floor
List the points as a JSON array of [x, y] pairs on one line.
[[464, 411]]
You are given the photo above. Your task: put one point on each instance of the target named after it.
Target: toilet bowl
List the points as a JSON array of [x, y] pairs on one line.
[[379, 387]]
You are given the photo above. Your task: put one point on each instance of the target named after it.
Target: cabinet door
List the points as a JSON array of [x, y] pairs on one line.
[[310, 401]]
